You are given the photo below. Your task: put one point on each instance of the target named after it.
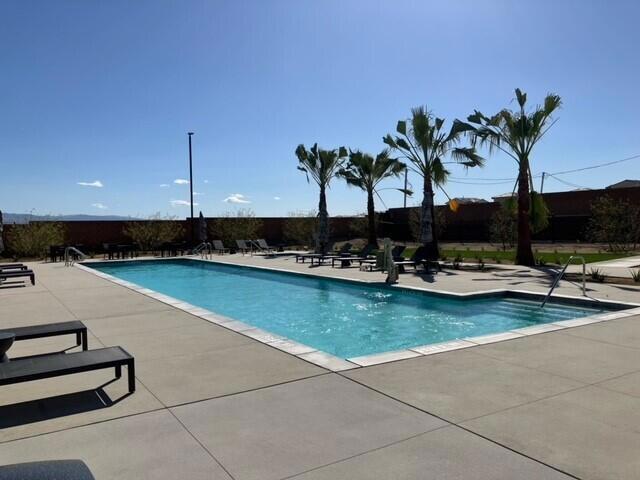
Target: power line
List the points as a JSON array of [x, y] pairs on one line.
[[567, 183], [513, 179]]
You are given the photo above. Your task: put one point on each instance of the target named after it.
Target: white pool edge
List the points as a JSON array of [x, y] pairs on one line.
[[337, 364]]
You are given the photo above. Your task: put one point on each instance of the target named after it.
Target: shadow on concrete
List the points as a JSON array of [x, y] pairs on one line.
[[55, 407]]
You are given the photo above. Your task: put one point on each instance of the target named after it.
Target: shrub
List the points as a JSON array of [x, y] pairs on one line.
[[299, 227], [616, 223], [34, 239], [152, 233], [239, 225], [596, 275], [503, 227]]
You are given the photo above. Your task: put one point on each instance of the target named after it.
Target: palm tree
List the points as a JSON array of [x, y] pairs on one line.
[[365, 172], [321, 165], [516, 133], [424, 143]]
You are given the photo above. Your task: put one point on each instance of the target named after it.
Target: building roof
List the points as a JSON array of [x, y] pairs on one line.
[[626, 184], [467, 200]]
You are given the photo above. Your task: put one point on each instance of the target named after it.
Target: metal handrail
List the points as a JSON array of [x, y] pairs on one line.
[[68, 259], [201, 248], [559, 277]]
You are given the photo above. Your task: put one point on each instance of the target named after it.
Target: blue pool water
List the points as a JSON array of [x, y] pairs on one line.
[[346, 319]]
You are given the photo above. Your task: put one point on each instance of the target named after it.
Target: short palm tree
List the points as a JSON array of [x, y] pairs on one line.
[[423, 142], [321, 165], [365, 172], [516, 133]]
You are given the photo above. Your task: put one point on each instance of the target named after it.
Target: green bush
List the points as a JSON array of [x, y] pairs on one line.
[[33, 239], [616, 223], [503, 228], [152, 233], [239, 225], [299, 228]]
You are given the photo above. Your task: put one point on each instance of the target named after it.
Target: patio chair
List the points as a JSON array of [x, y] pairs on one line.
[[264, 246], [219, 247], [243, 247], [303, 256], [47, 470], [346, 261], [344, 251], [13, 266], [396, 252], [5, 275], [419, 257], [21, 370], [74, 327]]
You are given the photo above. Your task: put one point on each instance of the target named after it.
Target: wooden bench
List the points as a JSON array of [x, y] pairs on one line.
[[52, 330], [59, 364]]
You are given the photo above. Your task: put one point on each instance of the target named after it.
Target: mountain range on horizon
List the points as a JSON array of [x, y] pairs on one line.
[[9, 218]]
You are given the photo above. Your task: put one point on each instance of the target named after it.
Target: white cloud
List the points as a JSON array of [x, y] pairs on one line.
[[276, 198], [236, 198], [99, 205], [197, 193], [95, 183], [164, 185], [206, 181], [181, 203], [181, 181]]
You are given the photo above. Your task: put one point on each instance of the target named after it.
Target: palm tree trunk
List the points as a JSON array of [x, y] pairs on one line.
[[323, 222], [427, 230], [371, 214], [524, 254]]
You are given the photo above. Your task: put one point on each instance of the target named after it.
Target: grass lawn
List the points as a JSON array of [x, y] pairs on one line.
[[495, 256]]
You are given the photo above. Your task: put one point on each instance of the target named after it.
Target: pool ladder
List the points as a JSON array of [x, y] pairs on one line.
[[70, 254], [205, 249], [559, 277]]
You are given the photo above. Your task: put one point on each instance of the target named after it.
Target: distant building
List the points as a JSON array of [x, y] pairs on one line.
[[504, 196], [626, 184], [468, 200]]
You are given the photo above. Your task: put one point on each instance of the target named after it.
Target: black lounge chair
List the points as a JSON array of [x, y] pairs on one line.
[[75, 327], [344, 251], [346, 261], [59, 364], [303, 256], [419, 257], [13, 266], [5, 275], [262, 244], [243, 247], [219, 247], [47, 470]]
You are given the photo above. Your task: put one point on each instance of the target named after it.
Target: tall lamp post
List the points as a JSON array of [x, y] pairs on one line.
[[191, 185]]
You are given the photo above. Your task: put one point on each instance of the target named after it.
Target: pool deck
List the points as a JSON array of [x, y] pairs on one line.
[[215, 404]]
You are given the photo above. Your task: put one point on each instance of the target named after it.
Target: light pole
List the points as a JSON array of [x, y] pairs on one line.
[[191, 184]]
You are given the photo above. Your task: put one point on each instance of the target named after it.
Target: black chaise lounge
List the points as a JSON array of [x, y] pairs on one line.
[[396, 251], [219, 247], [346, 261], [242, 246], [7, 274], [303, 256], [47, 470], [58, 364], [75, 327], [264, 246], [13, 266], [418, 258]]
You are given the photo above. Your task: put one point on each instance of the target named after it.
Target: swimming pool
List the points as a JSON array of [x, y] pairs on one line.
[[344, 318]]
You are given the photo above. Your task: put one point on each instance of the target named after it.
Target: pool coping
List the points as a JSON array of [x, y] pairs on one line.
[[336, 364]]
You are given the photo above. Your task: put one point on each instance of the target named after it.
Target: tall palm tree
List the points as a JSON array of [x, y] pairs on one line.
[[424, 143], [365, 172], [321, 165], [516, 133]]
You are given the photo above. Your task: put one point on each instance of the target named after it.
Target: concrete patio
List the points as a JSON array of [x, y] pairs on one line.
[[213, 403]]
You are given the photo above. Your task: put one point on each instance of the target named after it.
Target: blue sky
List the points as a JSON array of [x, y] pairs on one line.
[[106, 91]]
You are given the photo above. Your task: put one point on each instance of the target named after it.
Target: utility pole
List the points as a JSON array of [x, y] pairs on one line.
[[405, 187], [191, 185], [542, 181]]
